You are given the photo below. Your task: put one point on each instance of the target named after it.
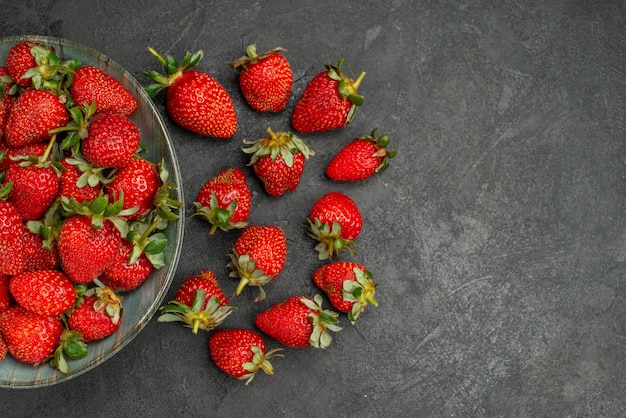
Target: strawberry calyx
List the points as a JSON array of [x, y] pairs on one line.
[[285, 144], [252, 57], [244, 268], [71, 346], [330, 239], [146, 241], [218, 217], [77, 128], [348, 88], [173, 70], [260, 361], [195, 317], [51, 73], [361, 291], [323, 320], [164, 204], [99, 210], [382, 153]]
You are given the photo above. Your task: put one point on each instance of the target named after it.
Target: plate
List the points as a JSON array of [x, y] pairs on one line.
[[141, 304]]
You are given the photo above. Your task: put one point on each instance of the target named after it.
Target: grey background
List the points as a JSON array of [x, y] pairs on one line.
[[497, 235]]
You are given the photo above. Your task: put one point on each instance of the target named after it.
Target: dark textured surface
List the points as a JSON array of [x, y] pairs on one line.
[[497, 235]]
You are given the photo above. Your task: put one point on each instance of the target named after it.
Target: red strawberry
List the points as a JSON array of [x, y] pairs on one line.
[[111, 141], [35, 186], [126, 273], [36, 254], [361, 158], [278, 160], [299, 322], [194, 99], [258, 256], [241, 353], [5, 294], [20, 59], [265, 79], [328, 102], [349, 286], [34, 113], [30, 338], [91, 84], [79, 180], [3, 348], [11, 239], [45, 292], [13, 154], [86, 250], [97, 315], [138, 183], [199, 303], [224, 200], [335, 221]]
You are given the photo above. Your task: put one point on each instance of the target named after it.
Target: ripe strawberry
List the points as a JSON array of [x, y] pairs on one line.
[[79, 240], [111, 140], [5, 294], [91, 84], [138, 182], [335, 221], [45, 292], [35, 186], [20, 59], [30, 338], [265, 79], [98, 315], [278, 160], [258, 256], [194, 100], [79, 180], [241, 353], [126, 273], [224, 200], [11, 239], [349, 286], [34, 113], [361, 158], [299, 322], [199, 303], [37, 256], [328, 102], [14, 155]]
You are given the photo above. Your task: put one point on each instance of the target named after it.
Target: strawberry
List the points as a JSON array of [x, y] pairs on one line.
[[328, 102], [335, 221], [30, 338], [199, 303], [14, 155], [97, 315], [34, 113], [35, 185], [45, 292], [79, 180], [6, 99], [91, 84], [241, 353], [12, 259], [224, 200], [299, 322], [126, 273], [20, 59], [138, 183], [278, 160], [265, 79], [361, 158], [5, 294], [111, 140], [3, 348], [258, 256], [349, 287], [194, 100], [37, 255], [80, 240]]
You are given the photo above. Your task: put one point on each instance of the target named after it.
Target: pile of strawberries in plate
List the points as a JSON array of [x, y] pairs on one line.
[[199, 103], [82, 212]]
